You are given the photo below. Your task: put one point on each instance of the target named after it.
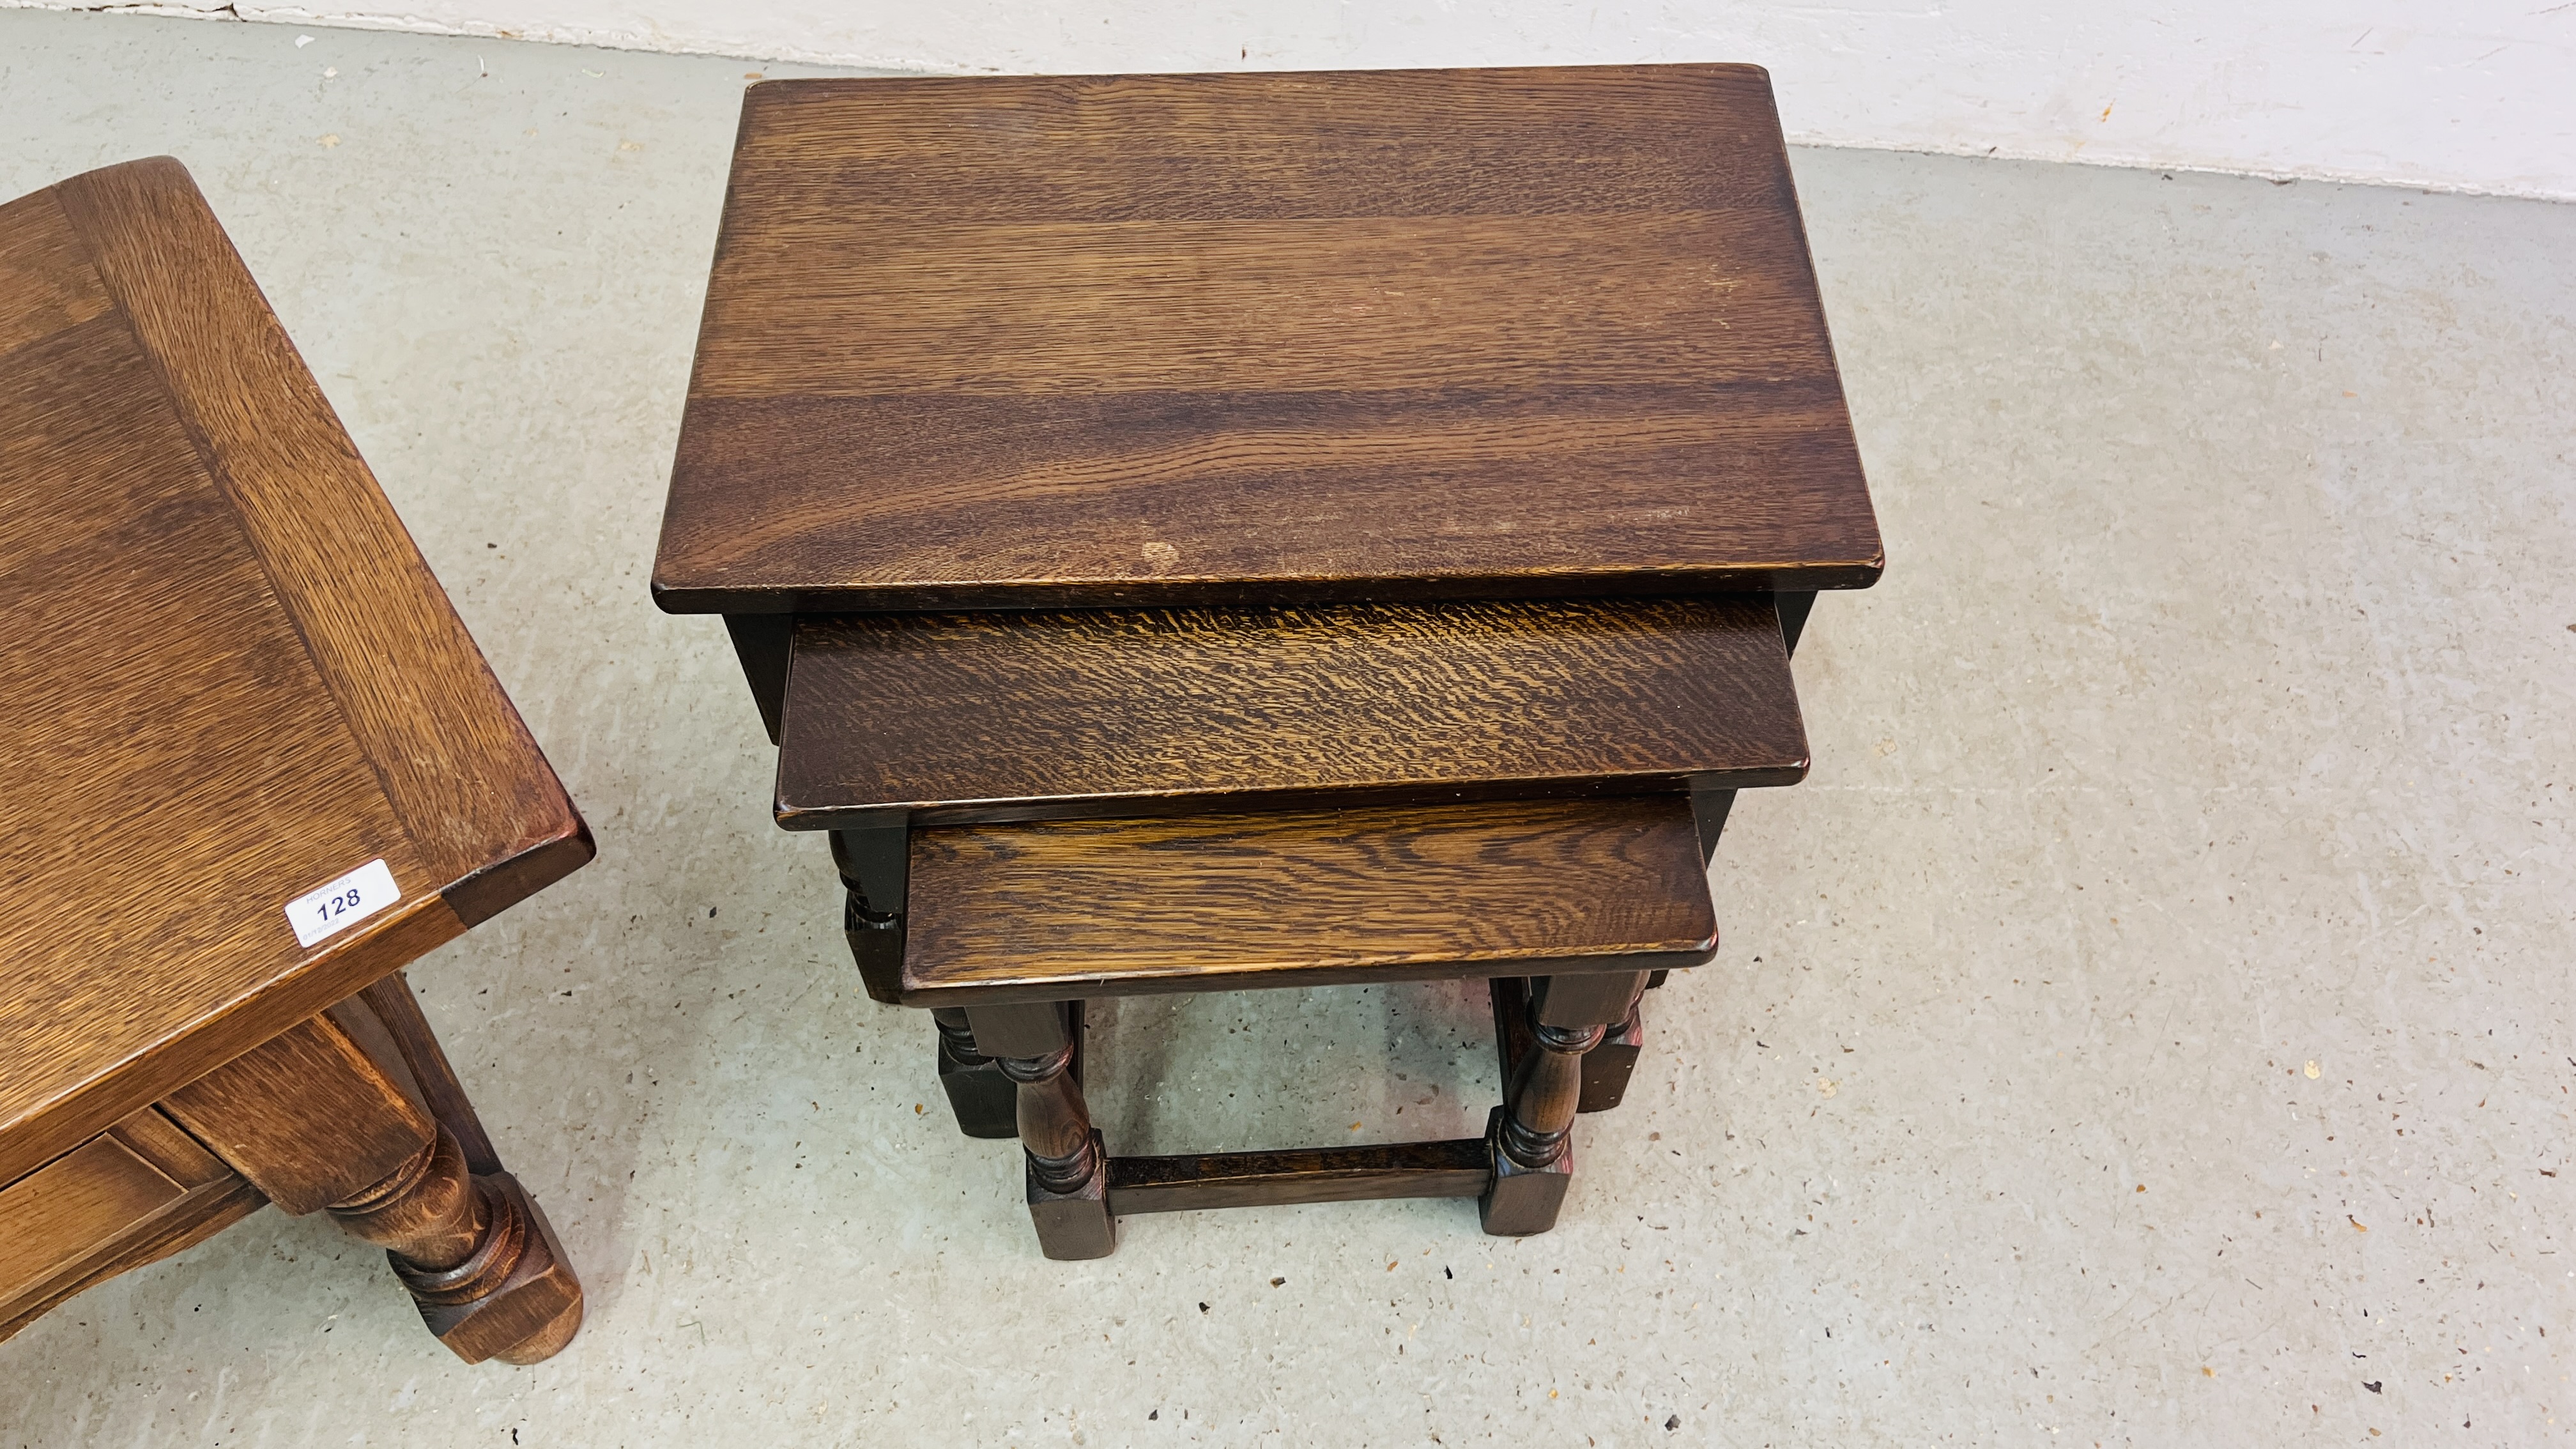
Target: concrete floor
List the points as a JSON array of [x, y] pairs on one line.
[[2151, 1024]]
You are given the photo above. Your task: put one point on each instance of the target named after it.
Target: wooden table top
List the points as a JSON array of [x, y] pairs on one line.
[[946, 718], [1085, 908], [230, 679], [1094, 341]]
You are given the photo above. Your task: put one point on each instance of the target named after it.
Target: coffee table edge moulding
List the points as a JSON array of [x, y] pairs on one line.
[[471, 791], [690, 578]]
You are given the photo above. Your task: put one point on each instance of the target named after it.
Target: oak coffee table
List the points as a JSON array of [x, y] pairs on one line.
[[1215, 532], [254, 766]]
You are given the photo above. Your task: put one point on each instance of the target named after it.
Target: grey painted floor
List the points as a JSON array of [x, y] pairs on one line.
[[2151, 1024]]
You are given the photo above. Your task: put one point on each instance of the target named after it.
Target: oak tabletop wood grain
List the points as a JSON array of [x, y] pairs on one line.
[[1008, 342], [949, 718], [1068, 909], [231, 677]]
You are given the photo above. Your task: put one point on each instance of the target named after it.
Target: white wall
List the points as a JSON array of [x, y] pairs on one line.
[[2475, 95]]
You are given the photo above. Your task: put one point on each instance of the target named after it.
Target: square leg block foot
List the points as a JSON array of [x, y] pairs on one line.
[[1075, 1225], [1520, 1202], [1607, 1067], [985, 1101], [536, 1308]]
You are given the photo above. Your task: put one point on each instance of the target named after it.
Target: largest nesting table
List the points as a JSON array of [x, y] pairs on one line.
[[1195, 533]]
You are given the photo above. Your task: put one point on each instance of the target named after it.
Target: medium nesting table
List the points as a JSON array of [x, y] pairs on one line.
[[1206, 533]]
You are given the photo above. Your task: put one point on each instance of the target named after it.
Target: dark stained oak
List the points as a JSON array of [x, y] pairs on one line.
[[980, 1097], [1060, 910], [970, 717], [231, 678], [1013, 342], [1209, 532], [1532, 1133], [1004, 928], [1606, 1068], [1067, 1166], [1457, 1168]]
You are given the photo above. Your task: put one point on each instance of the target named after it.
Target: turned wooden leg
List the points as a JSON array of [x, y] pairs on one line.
[[1606, 1068], [875, 867], [985, 1101], [479, 1257], [1068, 1174], [1067, 1166], [1530, 1137], [338, 1113]]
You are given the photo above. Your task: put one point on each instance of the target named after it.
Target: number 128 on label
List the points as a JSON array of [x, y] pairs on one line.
[[336, 905]]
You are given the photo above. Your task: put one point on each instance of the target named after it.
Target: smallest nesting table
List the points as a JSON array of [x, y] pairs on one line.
[[1201, 533]]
